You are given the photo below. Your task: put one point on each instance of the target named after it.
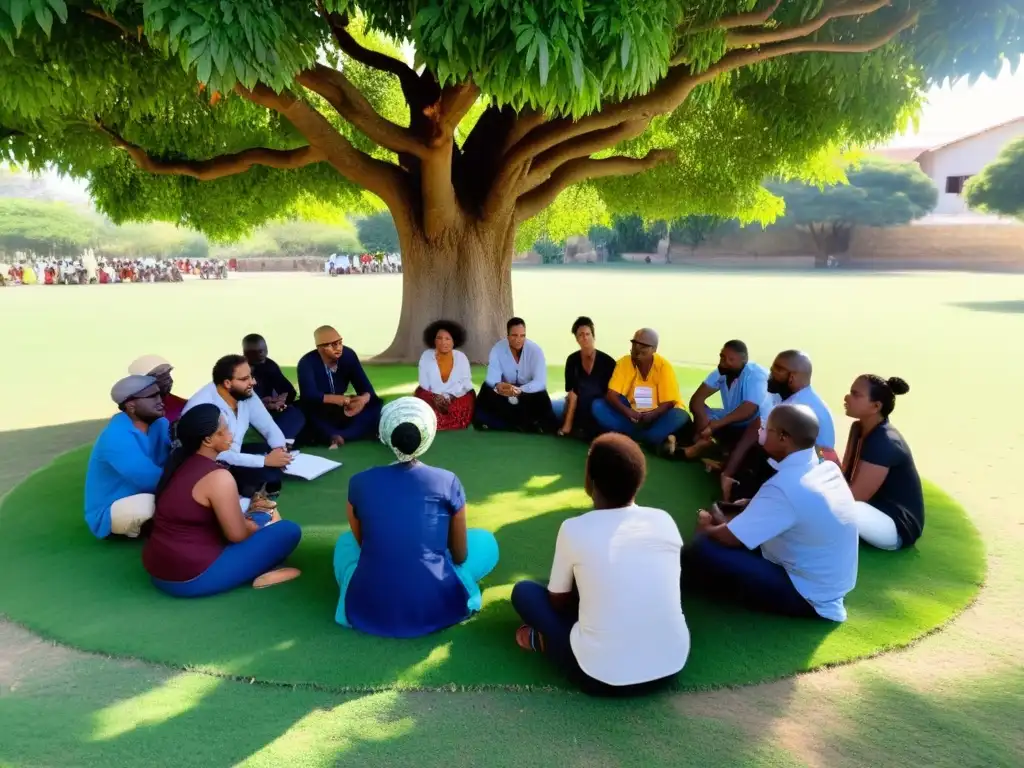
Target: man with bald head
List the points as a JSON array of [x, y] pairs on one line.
[[803, 522], [643, 399], [789, 382], [325, 375]]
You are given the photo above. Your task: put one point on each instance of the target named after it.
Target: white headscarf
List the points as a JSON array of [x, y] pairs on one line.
[[408, 410]]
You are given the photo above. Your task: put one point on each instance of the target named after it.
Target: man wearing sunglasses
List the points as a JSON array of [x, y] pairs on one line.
[[325, 376], [127, 460]]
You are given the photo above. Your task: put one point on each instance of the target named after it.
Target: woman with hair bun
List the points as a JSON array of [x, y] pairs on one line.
[[202, 544], [409, 566], [445, 378], [880, 467]]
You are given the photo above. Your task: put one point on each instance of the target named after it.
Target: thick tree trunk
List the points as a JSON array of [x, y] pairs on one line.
[[464, 275]]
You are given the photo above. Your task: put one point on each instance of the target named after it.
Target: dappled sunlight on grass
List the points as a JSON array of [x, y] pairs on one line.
[[541, 481], [415, 674], [172, 698]]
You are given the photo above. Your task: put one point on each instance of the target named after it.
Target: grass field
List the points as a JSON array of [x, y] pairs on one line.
[[954, 699]]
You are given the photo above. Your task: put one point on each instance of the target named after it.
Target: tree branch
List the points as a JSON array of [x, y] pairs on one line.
[[354, 107], [837, 11], [104, 16], [217, 167], [582, 169], [736, 21], [586, 145], [349, 45], [456, 101], [382, 179]]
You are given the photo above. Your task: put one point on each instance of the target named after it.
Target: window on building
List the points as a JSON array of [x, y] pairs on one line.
[[955, 184]]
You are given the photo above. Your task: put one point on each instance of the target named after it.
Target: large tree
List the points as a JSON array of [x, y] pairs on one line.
[[999, 188], [879, 193], [506, 104]]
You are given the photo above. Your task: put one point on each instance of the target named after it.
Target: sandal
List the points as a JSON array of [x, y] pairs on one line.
[[529, 639]]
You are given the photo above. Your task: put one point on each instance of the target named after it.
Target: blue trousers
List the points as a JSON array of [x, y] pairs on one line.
[[534, 607], [481, 557], [291, 421], [330, 420], [743, 576], [240, 563], [610, 420]]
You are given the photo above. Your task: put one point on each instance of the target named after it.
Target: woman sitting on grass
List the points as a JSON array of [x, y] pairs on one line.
[[587, 373], [446, 381], [880, 467], [201, 543], [409, 567], [610, 617]]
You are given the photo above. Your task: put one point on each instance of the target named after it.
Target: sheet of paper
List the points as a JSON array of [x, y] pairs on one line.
[[310, 467], [245, 504], [644, 398]]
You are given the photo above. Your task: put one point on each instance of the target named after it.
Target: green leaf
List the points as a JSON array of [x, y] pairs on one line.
[[44, 17], [180, 23], [18, 11], [448, 33], [624, 50], [220, 55], [460, 17], [199, 33], [531, 14], [204, 66], [524, 39], [531, 53], [577, 65], [60, 8], [543, 60]]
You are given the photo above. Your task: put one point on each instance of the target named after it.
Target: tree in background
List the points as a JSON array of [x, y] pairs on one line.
[[879, 194], [695, 229], [223, 114], [44, 228], [999, 188], [550, 252], [378, 233]]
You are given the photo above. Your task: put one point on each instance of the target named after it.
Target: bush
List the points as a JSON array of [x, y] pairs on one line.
[[549, 252]]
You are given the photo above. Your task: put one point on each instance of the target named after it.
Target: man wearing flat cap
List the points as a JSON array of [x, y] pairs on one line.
[[160, 369], [325, 375], [127, 460]]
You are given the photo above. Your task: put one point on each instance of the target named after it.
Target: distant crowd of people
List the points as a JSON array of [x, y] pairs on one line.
[[363, 264], [89, 270]]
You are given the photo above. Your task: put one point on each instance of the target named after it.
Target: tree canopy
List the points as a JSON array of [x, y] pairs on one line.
[[879, 194], [221, 114], [34, 225], [999, 188], [378, 233]]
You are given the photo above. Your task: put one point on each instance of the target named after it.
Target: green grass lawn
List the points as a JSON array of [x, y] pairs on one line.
[[944, 333]]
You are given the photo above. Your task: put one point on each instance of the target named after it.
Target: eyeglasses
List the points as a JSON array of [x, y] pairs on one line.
[[332, 344]]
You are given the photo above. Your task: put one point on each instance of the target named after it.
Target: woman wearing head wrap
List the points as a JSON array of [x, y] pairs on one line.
[[201, 543], [409, 566], [446, 381]]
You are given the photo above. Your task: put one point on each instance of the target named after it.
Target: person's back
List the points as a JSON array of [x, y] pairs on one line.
[[625, 563], [820, 549], [404, 512], [186, 537]]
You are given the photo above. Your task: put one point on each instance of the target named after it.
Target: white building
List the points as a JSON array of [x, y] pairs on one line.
[[950, 165]]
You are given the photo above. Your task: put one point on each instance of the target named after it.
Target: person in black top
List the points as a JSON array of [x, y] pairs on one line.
[[587, 374], [880, 467], [273, 387]]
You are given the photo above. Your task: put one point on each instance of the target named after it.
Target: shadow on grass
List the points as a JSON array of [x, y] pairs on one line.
[[1001, 307], [25, 450]]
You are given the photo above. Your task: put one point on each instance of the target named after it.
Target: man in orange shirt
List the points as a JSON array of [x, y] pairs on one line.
[[643, 399]]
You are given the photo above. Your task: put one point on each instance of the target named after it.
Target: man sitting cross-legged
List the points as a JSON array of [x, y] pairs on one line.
[[160, 369], [273, 388], [804, 522], [743, 386], [514, 394], [643, 398], [127, 460], [325, 374], [253, 465]]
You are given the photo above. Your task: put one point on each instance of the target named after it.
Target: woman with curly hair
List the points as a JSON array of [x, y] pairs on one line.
[[880, 467], [446, 382]]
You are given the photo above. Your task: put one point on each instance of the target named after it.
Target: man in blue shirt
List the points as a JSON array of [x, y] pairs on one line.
[[273, 388], [743, 386], [127, 460], [514, 394], [325, 374]]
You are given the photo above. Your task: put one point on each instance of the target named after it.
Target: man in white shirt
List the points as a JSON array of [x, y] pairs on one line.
[[803, 521], [255, 464], [789, 382], [514, 394], [610, 617]]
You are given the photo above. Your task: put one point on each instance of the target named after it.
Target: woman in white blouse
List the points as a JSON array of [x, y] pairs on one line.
[[446, 382]]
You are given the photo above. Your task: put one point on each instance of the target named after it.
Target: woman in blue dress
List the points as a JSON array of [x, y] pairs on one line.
[[409, 566]]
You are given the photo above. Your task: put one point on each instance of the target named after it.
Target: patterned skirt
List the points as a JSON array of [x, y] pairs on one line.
[[460, 410]]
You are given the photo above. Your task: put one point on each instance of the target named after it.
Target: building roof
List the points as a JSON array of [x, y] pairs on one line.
[[938, 147], [912, 154]]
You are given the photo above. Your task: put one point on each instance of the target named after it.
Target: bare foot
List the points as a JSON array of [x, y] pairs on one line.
[[693, 451], [710, 465], [670, 446], [276, 576]]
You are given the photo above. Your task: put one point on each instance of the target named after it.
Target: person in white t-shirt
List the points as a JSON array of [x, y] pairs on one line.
[[789, 382], [611, 617], [803, 520]]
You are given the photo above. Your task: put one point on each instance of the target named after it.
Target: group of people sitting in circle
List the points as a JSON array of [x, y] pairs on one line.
[[784, 538]]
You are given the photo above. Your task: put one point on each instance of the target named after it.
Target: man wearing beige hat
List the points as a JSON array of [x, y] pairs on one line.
[[325, 375], [160, 369], [127, 460]]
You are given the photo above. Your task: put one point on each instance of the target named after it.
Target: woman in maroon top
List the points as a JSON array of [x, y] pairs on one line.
[[201, 542]]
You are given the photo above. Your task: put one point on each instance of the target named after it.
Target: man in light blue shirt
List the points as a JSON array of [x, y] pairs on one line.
[[803, 521], [514, 394], [743, 386], [255, 464]]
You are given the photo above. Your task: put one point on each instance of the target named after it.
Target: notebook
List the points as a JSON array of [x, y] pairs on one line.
[[310, 467]]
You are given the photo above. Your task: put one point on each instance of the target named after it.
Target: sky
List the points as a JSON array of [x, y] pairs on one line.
[[950, 113]]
